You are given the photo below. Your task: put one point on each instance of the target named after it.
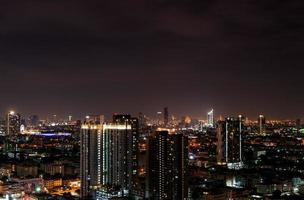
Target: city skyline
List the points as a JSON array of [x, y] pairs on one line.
[[154, 115], [120, 57]]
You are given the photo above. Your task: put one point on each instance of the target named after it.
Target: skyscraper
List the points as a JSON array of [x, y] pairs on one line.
[[132, 139], [90, 157], [262, 123], [229, 142], [109, 157], [159, 118], [13, 123], [166, 116], [210, 118], [120, 149], [167, 168]]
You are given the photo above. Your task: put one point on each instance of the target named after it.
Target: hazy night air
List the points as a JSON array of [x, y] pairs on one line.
[[77, 57]]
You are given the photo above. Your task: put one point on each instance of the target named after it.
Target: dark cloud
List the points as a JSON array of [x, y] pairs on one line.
[[140, 55]]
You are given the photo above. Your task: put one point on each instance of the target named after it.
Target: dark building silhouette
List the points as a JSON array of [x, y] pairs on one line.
[[298, 124], [262, 124], [229, 142], [166, 116], [132, 151], [13, 123], [167, 168]]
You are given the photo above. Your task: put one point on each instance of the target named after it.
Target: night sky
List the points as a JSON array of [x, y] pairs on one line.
[[80, 57]]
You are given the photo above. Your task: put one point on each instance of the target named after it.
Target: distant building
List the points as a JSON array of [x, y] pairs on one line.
[[2, 126], [53, 168], [13, 123], [25, 170], [142, 122], [229, 142], [166, 116], [94, 119], [262, 124], [51, 183], [159, 118], [298, 124], [210, 118], [33, 120], [167, 168]]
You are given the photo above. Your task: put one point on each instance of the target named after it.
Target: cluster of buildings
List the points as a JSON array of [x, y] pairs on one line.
[[139, 157], [109, 161], [38, 158]]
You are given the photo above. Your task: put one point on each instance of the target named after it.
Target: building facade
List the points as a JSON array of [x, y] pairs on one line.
[[262, 124], [109, 157], [167, 168], [210, 118], [13, 123], [90, 157], [229, 142]]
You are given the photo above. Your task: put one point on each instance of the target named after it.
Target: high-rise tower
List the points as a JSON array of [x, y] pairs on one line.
[[13, 123], [261, 124], [90, 157], [109, 157], [229, 147], [210, 118], [166, 116], [167, 169]]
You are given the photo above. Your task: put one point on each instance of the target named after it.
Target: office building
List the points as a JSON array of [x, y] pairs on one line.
[[167, 168], [166, 116], [159, 118], [13, 123], [229, 142], [210, 118], [261, 124]]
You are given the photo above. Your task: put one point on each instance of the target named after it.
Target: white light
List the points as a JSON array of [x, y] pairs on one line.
[[116, 126]]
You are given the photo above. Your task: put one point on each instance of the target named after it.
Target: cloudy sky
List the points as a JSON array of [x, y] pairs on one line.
[[79, 57]]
